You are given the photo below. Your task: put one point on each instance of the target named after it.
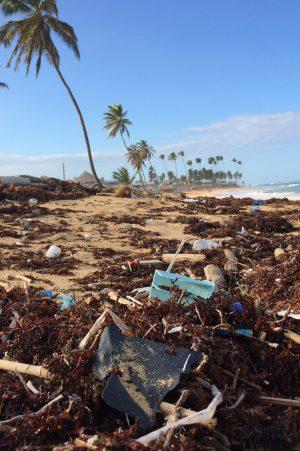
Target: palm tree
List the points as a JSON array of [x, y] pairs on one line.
[[135, 159], [173, 157], [116, 122], [32, 32], [234, 161], [3, 85], [162, 157], [147, 151], [122, 176], [181, 154]]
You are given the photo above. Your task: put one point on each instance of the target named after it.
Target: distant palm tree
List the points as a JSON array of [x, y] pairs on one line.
[[181, 154], [122, 176], [33, 31], [162, 157], [173, 157], [116, 122], [135, 159], [3, 85], [147, 151]]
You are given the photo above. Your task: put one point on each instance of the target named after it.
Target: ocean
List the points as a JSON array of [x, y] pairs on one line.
[[289, 190]]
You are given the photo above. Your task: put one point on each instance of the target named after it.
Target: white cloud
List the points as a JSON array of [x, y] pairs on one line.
[[240, 133]]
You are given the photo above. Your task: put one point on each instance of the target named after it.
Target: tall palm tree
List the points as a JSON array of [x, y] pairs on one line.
[[173, 157], [32, 33], [122, 176], [181, 154], [162, 157], [116, 122]]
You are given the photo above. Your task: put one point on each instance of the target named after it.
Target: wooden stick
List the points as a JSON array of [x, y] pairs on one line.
[[192, 258], [83, 444], [281, 401], [242, 379], [97, 325], [24, 368], [30, 415]]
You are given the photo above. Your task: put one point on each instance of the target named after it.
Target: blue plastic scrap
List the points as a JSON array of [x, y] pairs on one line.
[[228, 333], [255, 210], [238, 308], [67, 301], [48, 293], [257, 203], [192, 287]]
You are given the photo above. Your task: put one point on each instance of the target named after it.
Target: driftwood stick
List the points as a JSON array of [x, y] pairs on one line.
[[97, 325], [30, 415], [24, 368], [281, 401]]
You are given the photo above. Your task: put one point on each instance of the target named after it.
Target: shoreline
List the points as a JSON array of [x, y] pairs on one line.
[[239, 192]]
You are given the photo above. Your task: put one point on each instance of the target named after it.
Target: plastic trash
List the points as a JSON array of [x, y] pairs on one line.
[[193, 288], [228, 333], [238, 308], [255, 210], [214, 274], [190, 201], [140, 386], [33, 202], [257, 203], [48, 293], [204, 244], [67, 301], [290, 315], [53, 251]]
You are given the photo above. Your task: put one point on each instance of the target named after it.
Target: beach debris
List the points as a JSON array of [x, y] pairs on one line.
[[284, 313], [190, 201], [136, 386], [255, 210], [230, 266], [214, 274], [191, 258], [191, 288], [279, 253], [230, 255], [65, 301], [48, 293], [32, 202], [257, 203], [204, 417], [25, 368], [53, 251], [203, 244], [123, 191], [172, 262], [97, 326], [238, 308]]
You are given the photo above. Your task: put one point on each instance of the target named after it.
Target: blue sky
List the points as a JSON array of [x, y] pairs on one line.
[[210, 77]]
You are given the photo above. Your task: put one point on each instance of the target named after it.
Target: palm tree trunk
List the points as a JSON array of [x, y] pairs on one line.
[[86, 137]]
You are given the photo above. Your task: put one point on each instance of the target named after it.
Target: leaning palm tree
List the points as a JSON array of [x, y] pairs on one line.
[[116, 122], [173, 157], [122, 176], [32, 36]]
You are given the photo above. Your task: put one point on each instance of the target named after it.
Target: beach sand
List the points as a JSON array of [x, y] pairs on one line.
[[91, 216]]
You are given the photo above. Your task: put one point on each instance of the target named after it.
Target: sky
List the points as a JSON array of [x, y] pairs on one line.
[[210, 77]]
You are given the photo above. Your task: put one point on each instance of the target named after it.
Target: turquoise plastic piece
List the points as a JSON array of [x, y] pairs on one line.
[[194, 288], [67, 301]]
